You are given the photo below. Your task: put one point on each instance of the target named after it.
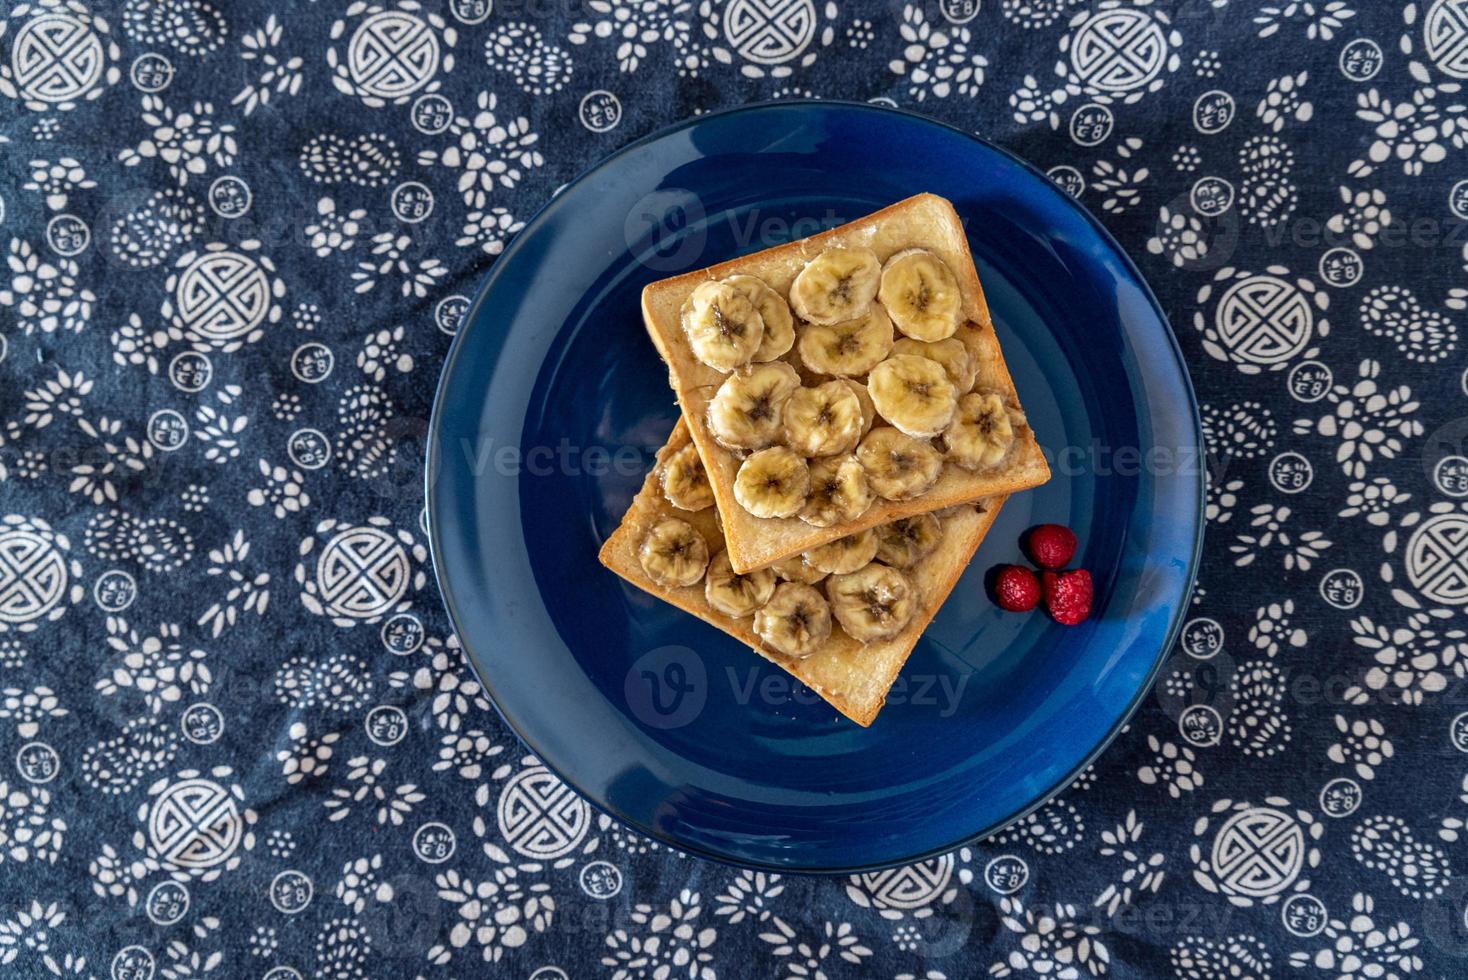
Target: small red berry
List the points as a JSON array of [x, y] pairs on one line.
[[1051, 545], [1016, 589], [1068, 595]]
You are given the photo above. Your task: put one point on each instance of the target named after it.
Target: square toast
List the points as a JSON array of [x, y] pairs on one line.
[[926, 222], [853, 677]]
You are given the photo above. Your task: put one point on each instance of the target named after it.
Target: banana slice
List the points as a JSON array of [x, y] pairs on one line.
[[772, 483], [795, 622], [839, 284], [913, 393], [898, 466], [723, 327], [906, 541], [921, 295], [733, 594], [774, 312], [747, 410], [673, 554], [823, 421], [685, 482], [844, 554], [873, 603], [847, 349], [868, 408], [952, 353], [982, 432], [839, 492], [794, 569]]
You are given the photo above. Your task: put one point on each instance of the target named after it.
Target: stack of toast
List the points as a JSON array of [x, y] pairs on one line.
[[849, 432]]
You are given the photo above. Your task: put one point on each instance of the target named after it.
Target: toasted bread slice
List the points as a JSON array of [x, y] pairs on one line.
[[853, 677], [924, 221]]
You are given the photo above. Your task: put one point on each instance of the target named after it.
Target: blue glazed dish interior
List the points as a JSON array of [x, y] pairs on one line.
[[553, 401]]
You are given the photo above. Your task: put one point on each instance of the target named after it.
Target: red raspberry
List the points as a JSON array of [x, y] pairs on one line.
[[1051, 545], [1016, 589], [1068, 595]]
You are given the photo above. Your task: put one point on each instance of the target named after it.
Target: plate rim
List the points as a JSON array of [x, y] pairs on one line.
[[432, 462]]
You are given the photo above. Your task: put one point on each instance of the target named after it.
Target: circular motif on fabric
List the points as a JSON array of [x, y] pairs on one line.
[[1200, 725], [1290, 472], [449, 313], [114, 590], [1361, 59], [601, 880], [308, 449], [392, 54], [190, 371], [1437, 559], [1213, 111], [151, 72], [1451, 475], [431, 114], [37, 762], [1006, 874], [68, 235], [1445, 34], [1257, 854], [1119, 50], [33, 575], [1310, 381], [600, 111], [312, 362], [1303, 915], [386, 725], [912, 886], [167, 903], [770, 32], [133, 963], [291, 891], [195, 823], [222, 295], [57, 58], [539, 817], [403, 634], [362, 573], [1068, 178], [1091, 125], [1264, 320], [1201, 638], [434, 843], [202, 723], [1342, 267], [1212, 196], [1342, 588], [230, 197], [168, 430], [1340, 797]]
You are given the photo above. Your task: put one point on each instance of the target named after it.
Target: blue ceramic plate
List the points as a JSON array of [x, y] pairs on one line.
[[553, 401]]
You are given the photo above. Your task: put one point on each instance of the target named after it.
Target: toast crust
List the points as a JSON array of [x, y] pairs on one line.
[[853, 678], [925, 221]]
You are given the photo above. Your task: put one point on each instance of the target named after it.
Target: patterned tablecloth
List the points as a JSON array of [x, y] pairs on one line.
[[236, 736]]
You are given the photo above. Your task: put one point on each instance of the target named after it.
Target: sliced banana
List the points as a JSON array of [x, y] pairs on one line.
[[685, 482], [723, 326], [733, 594], [823, 421], [839, 284], [794, 569], [913, 393], [873, 603], [921, 295], [673, 554], [773, 482], [844, 554], [779, 334], [839, 492], [906, 541], [952, 353], [868, 408], [898, 466], [847, 349], [982, 432], [747, 410], [796, 620]]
